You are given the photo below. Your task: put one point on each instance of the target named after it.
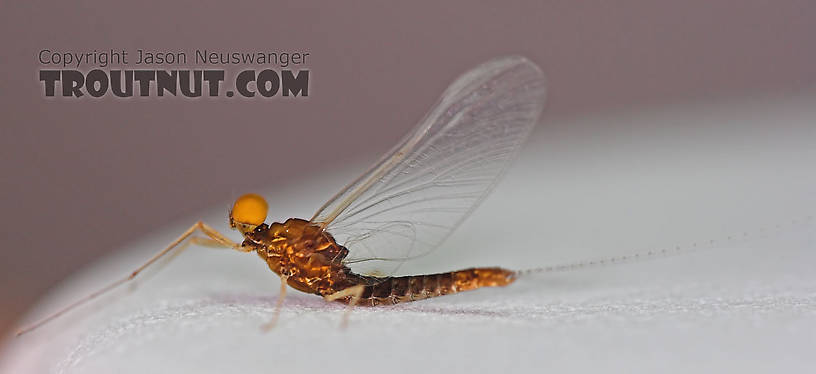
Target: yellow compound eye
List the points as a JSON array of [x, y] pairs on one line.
[[250, 209]]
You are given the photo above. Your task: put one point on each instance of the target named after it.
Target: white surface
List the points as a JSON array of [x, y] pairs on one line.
[[591, 187]]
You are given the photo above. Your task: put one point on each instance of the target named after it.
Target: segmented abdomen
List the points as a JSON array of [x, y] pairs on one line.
[[394, 290]]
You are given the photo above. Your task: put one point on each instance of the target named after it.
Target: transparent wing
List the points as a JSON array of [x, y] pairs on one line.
[[418, 193]]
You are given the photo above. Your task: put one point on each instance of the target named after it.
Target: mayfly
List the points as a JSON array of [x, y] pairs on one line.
[[402, 208]]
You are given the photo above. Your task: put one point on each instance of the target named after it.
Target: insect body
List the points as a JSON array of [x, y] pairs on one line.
[[311, 261], [402, 208]]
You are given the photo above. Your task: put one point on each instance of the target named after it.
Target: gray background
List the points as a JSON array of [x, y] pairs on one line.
[[82, 177]]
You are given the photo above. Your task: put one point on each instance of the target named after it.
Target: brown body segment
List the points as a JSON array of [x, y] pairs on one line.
[[312, 261], [395, 290]]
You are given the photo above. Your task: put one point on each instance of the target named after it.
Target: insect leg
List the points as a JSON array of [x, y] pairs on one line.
[[196, 240], [204, 242], [278, 305], [213, 238], [356, 292]]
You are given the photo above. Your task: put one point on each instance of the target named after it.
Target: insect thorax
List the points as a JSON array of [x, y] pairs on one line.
[[302, 252]]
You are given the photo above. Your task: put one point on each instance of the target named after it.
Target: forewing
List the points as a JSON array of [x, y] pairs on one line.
[[417, 194]]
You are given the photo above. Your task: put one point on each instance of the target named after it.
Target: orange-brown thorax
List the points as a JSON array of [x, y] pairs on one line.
[[305, 254]]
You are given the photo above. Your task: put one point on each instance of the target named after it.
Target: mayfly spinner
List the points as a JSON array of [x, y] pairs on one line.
[[403, 207]]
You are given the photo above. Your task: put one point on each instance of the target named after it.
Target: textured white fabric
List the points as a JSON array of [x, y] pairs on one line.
[[747, 304]]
